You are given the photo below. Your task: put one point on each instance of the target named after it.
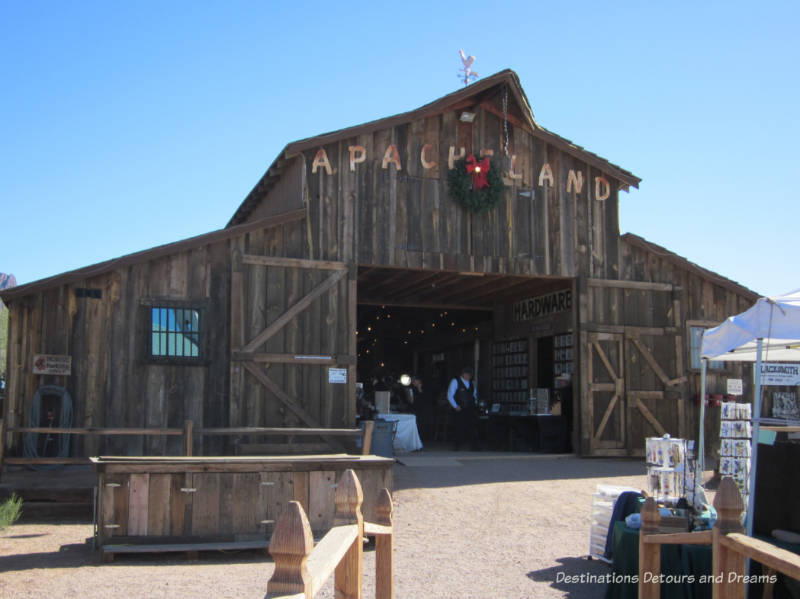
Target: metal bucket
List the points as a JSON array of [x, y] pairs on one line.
[[382, 438]]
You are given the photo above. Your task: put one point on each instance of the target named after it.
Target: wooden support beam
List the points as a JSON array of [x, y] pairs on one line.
[[188, 437], [703, 537], [282, 431], [651, 360], [765, 553], [366, 439], [606, 416], [98, 431], [639, 285], [606, 362], [292, 262], [36, 461], [287, 316], [648, 415], [629, 331], [285, 358], [370, 301], [645, 394], [328, 553], [489, 107], [269, 449], [288, 401]]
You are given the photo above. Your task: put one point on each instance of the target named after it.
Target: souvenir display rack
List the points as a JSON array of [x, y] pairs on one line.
[[510, 375], [671, 468], [735, 432], [563, 353]]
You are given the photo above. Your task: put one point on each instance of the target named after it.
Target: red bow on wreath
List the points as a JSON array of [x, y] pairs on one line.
[[479, 171]]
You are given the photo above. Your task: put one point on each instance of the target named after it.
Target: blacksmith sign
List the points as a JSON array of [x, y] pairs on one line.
[[543, 305], [780, 374]]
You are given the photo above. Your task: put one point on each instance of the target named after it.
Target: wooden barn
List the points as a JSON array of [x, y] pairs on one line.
[[350, 258]]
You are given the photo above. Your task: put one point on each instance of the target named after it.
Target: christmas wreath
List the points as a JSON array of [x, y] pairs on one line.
[[475, 184]]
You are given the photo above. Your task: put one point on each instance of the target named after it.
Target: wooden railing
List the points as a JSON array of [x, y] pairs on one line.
[[301, 569], [187, 432], [730, 549]]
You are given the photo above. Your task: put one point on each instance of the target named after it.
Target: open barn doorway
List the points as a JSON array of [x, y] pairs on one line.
[[432, 324]]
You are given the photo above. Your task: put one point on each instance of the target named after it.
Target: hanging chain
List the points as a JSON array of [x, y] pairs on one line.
[[505, 120]]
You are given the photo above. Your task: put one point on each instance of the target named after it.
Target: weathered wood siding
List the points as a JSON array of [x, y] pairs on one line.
[[704, 299], [112, 383], [260, 295], [286, 195], [385, 216]]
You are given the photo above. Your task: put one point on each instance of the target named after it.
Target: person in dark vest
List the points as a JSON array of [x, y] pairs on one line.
[[463, 397], [423, 407]]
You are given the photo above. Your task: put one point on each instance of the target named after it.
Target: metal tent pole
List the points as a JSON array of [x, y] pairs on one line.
[[751, 490], [701, 436]]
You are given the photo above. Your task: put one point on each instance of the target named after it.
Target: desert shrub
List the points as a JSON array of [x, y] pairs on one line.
[[10, 511]]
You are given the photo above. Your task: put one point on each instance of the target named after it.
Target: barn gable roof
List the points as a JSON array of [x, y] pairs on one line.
[[480, 87], [686, 264], [101, 268]]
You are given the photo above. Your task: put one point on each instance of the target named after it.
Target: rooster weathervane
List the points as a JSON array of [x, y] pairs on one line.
[[466, 73]]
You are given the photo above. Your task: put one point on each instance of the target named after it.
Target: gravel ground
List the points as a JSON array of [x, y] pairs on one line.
[[467, 525]]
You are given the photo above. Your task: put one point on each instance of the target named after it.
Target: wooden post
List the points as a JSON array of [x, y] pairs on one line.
[[384, 559], [290, 546], [649, 553], [2, 444], [349, 573], [725, 562], [366, 440], [188, 434]]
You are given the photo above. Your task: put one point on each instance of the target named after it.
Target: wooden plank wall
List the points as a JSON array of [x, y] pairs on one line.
[[406, 218], [263, 294], [222, 505], [700, 300], [112, 384], [286, 195]]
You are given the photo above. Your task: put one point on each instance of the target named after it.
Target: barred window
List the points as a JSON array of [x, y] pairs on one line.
[[176, 332], [695, 341]]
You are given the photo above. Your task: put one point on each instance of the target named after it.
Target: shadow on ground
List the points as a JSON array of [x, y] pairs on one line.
[[576, 577], [79, 555], [452, 471], [68, 556]]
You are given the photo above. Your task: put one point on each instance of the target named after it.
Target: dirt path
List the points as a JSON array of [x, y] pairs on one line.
[[465, 527]]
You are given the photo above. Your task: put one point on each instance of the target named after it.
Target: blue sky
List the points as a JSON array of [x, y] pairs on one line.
[[129, 125]]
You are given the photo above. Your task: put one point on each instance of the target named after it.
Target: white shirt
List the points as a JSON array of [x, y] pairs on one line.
[[451, 390]]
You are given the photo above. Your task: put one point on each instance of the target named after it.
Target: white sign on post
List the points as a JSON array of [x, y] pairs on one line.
[[337, 375], [780, 374], [735, 387]]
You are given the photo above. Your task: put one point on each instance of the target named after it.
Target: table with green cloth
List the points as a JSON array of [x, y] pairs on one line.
[[682, 567]]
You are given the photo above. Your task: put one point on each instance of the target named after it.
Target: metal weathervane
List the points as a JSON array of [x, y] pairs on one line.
[[466, 73]]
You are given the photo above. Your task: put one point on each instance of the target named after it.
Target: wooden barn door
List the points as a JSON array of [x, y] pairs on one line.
[[633, 380], [654, 386], [606, 386], [291, 321]]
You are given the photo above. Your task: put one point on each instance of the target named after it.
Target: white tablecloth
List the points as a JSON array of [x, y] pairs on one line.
[[407, 437]]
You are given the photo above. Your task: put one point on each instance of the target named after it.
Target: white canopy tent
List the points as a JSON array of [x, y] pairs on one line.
[[768, 331]]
